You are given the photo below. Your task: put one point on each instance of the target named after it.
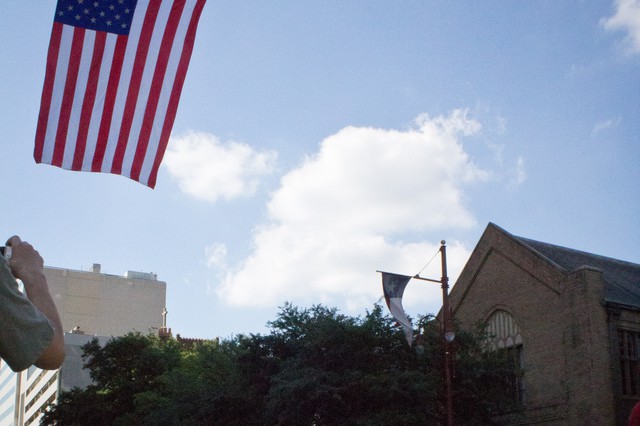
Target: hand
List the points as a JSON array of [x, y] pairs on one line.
[[27, 265], [25, 260]]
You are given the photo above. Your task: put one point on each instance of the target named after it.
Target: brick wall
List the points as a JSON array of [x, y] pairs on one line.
[[566, 348]]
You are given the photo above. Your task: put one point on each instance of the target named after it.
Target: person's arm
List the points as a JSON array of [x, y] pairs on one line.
[[27, 265]]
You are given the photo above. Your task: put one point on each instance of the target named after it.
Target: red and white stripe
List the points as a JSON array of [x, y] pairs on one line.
[[109, 101]]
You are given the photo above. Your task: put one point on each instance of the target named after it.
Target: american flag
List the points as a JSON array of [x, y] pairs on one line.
[[114, 74]]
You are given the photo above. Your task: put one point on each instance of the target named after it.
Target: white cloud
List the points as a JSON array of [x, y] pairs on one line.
[[519, 173], [338, 217], [216, 255], [606, 124], [626, 18], [208, 169]]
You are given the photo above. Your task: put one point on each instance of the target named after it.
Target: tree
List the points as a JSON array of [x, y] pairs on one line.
[[123, 368], [344, 370], [315, 367]]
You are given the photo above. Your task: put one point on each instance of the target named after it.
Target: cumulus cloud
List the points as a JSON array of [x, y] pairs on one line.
[[626, 18], [210, 170], [343, 212]]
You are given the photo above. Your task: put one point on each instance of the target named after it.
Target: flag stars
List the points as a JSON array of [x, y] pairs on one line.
[[112, 16]]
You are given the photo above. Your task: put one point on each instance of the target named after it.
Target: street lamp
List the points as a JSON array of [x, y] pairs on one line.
[[447, 332], [393, 291], [448, 335]]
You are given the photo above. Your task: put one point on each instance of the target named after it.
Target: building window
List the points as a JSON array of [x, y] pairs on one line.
[[629, 363], [503, 334]]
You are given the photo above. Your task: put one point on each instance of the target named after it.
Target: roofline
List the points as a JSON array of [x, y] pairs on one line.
[[523, 242], [617, 305], [519, 241]]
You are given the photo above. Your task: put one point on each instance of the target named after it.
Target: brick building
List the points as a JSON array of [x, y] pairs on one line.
[[571, 320]]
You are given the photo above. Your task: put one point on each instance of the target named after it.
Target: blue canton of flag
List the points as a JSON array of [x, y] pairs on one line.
[[113, 16]]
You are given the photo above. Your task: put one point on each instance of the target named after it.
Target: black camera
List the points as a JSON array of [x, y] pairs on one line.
[[5, 251]]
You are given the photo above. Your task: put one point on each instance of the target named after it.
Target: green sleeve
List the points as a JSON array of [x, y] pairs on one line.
[[24, 331]]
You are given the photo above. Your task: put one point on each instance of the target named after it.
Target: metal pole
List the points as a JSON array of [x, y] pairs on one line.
[[446, 328]]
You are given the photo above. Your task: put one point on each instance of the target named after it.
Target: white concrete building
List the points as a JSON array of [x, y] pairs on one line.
[[107, 305]]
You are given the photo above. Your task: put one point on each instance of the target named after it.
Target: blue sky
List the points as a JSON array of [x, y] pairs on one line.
[[317, 142]]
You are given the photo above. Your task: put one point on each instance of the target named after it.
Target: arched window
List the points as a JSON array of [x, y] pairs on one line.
[[502, 330], [503, 334]]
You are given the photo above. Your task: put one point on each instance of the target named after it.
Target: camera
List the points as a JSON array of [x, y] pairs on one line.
[[5, 251]]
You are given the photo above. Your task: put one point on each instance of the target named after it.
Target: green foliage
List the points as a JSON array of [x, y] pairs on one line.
[[124, 368], [344, 370], [315, 367], [485, 373]]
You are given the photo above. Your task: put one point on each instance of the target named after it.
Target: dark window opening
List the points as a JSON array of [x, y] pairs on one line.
[[504, 336], [629, 364]]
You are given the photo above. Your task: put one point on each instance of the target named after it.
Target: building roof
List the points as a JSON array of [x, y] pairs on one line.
[[621, 278]]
